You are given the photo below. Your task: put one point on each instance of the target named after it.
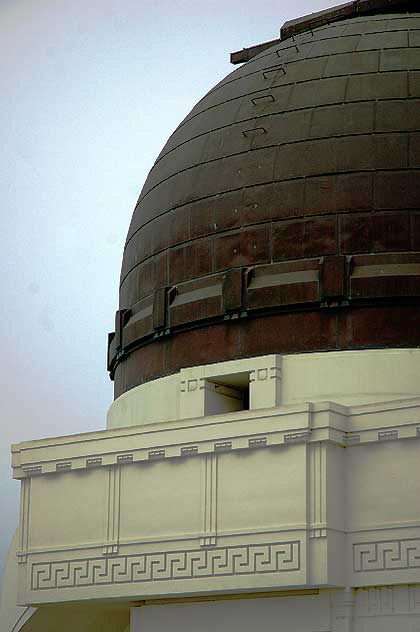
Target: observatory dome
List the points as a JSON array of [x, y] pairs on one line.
[[283, 214]]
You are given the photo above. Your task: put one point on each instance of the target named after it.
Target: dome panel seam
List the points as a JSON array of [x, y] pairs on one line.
[[281, 85], [297, 218], [267, 147]]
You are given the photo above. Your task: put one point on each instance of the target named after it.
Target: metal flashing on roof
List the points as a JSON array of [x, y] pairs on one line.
[[321, 18], [241, 56], [340, 12]]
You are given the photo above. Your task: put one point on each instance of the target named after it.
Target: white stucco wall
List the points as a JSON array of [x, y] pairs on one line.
[[346, 377], [393, 609], [12, 616], [315, 486]]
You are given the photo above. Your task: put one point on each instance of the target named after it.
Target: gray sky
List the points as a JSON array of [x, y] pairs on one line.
[[90, 91]]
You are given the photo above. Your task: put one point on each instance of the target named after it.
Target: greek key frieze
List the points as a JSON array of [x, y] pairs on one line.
[[147, 567], [386, 555]]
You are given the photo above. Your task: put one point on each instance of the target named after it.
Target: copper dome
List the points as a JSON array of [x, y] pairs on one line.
[[283, 214]]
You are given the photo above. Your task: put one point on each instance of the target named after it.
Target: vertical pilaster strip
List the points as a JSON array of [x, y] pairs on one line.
[[209, 500], [22, 553], [213, 516], [265, 385], [317, 517], [342, 608], [112, 511]]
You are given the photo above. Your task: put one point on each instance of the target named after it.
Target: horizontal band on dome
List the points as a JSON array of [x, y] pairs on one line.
[[319, 283]]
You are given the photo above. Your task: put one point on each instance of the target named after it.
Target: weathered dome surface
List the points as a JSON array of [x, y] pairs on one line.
[[283, 214]]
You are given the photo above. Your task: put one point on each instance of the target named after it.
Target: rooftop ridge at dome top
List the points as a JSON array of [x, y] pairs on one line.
[[321, 18]]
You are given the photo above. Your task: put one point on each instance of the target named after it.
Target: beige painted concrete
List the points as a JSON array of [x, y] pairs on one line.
[[313, 494], [346, 377], [12, 616], [258, 483], [373, 610], [79, 618], [55, 618]]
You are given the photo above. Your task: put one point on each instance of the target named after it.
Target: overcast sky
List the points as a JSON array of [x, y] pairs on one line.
[[90, 91]]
